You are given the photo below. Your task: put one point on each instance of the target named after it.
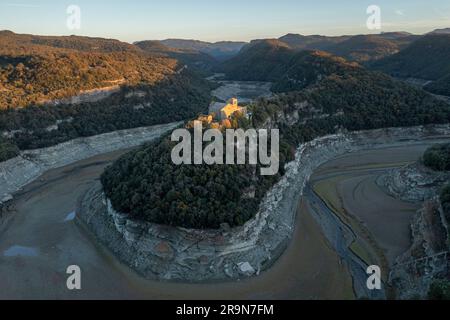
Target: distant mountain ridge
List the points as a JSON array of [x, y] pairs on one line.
[[365, 48], [193, 58], [275, 61], [441, 31], [219, 50], [360, 48], [87, 44], [313, 42]]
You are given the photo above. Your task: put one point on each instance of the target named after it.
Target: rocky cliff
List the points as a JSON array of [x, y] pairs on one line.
[[428, 258], [414, 183]]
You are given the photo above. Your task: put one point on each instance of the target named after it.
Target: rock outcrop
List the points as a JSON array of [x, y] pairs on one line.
[[414, 183], [428, 258]]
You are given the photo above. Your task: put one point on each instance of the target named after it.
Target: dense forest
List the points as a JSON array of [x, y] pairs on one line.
[[438, 157], [439, 290], [289, 70], [35, 70], [147, 185], [364, 48], [440, 86], [426, 58], [269, 59], [262, 60], [37, 73], [42, 126], [8, 149]]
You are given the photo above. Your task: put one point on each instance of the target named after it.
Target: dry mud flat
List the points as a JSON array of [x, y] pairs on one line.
[[244, 91], [350, 187]]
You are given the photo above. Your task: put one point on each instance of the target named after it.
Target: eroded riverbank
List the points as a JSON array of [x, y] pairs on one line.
[[309, 268]]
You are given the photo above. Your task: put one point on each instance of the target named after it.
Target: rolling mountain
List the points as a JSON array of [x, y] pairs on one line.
[[326, 94], [427, 58], [219, 50], [36, 69], [53, 89], [289, 69], [440, 86], [27, 42], [195, 59], [360, 48], [261, 60], [364, 48], [314, 42], [309, 67], [441, 31]]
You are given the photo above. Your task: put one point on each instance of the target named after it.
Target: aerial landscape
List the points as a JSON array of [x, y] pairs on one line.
[[297, 159]]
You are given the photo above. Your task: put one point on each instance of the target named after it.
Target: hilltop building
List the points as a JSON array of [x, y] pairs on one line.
[[230, 109]]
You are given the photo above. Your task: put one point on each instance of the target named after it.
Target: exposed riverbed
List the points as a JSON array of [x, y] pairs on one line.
[[39, 240]]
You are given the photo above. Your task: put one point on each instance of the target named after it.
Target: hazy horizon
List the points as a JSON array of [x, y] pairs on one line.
[[210, 41], [231, 21]]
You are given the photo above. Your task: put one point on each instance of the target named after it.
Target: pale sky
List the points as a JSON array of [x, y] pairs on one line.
[[212, 20]]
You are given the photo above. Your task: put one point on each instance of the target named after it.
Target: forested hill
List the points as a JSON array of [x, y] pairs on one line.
[[221, 50], [365, 48], [27, 43], [35, 69], [359, 48], [440, 86], [309, 67], [261, 60], [146, 185], [314, 42], [427, 58], [289, 70], [38, 73]]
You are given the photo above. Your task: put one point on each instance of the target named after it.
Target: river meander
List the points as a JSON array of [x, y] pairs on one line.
[[318, 264]]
